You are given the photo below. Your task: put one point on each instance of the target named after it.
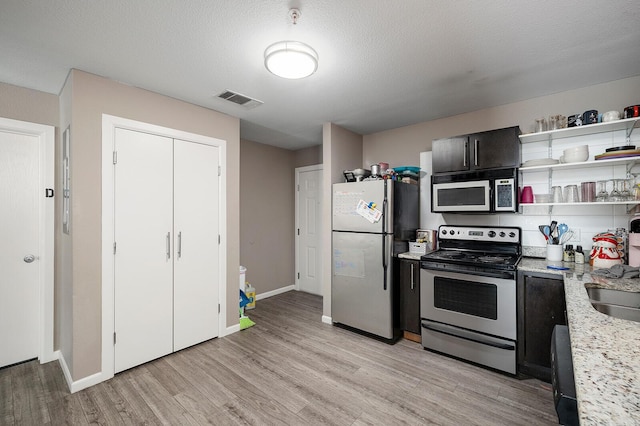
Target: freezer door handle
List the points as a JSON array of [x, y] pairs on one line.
[[450, 331]]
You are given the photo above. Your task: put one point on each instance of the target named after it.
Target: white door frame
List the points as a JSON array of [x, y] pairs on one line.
[[299, 170], [109, 124], [46, 214]]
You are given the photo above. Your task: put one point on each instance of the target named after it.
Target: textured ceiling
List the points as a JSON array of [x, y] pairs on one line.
[[383, 64]]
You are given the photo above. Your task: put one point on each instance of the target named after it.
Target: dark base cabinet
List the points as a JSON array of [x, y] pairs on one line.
[[409, 279], [541, 306]]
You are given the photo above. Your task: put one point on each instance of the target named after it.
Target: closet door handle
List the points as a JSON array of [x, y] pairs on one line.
[[179, 244], [168, 245]]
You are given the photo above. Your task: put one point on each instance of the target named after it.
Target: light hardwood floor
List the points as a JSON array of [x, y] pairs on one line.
[[288, 369]]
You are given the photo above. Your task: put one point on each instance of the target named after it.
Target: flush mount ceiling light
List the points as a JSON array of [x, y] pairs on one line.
[[291, 59]]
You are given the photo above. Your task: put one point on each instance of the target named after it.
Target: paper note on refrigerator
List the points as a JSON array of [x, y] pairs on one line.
[[348, 262], [370, 213]]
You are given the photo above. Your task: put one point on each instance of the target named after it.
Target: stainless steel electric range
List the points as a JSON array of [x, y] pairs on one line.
[[468, 295]]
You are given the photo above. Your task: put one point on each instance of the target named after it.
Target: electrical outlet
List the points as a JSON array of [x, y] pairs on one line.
[[575, 238]]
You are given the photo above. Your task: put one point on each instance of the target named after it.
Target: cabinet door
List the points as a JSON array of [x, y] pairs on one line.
[[143, 278], [542, 307], [410, 295], [450, 154], [496, 148], [196, 248]]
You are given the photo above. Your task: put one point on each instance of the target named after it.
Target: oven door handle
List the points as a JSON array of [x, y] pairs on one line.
[[475, 338]]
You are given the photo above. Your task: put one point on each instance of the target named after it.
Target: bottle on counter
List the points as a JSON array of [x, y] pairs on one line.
[[579, 255], [569, 253]]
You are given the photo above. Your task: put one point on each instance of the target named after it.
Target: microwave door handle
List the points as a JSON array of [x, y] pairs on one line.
[[475, 151]]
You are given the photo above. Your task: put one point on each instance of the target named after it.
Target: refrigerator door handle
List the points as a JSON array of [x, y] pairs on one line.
[[384, 238], [384, 262]]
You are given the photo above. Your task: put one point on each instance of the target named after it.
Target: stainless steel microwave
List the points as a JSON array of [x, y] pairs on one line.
[[487, 192]]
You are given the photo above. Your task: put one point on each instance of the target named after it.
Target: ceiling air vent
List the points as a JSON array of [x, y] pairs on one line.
[[239, 99]]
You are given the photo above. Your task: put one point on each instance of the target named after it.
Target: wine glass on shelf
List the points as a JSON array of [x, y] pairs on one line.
[[602, 194], [616, 192], [625, 191]]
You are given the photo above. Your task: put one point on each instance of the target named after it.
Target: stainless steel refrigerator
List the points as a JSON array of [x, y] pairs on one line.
[[372, 222]]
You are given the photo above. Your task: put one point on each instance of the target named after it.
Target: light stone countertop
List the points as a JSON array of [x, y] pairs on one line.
[[605, 350], [409, 255]]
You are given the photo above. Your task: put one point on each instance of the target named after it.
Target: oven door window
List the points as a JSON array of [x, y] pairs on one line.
[[471, 298]]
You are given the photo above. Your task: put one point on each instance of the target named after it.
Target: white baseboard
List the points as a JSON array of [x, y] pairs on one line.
[[49, 356], [78, 385], [236, 328], [275, 292], [231, 330], [327, 320]]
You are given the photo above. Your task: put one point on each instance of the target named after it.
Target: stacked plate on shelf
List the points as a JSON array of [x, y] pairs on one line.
[[540, 162], [625, 151]]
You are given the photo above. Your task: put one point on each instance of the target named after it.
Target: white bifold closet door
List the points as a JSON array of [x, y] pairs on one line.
[[196, 268], [143, 266], [166, 235]]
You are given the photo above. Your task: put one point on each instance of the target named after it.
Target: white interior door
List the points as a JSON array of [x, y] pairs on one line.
[[309, 219], [196, 228], [143, 271], [19, 214]]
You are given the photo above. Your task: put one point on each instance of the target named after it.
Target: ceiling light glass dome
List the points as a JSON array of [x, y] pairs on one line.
[[291, 59]]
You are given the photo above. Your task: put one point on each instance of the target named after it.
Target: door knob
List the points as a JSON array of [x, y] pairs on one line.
[[29, 258]]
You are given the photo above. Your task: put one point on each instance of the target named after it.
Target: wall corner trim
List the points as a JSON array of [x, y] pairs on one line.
[[78, 385]]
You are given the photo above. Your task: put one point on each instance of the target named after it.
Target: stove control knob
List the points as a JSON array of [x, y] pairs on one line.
[[502, 234], [492, 234], [512, 234], [452, 232]]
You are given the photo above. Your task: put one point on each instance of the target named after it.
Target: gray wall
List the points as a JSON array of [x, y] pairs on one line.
[[308, 156], [90, 97], [267, 209], [402, 146], [341, 150]]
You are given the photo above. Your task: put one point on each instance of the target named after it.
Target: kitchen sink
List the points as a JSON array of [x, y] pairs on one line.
[[614, 297], [622, 312], [616, 303]]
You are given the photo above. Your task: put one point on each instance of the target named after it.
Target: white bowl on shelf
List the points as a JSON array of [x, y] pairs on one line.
[[576, 154]]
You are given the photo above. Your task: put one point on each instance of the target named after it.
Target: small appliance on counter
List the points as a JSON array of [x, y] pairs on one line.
[[356, 175], [429, 237], [417, 248], [609, 248]]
